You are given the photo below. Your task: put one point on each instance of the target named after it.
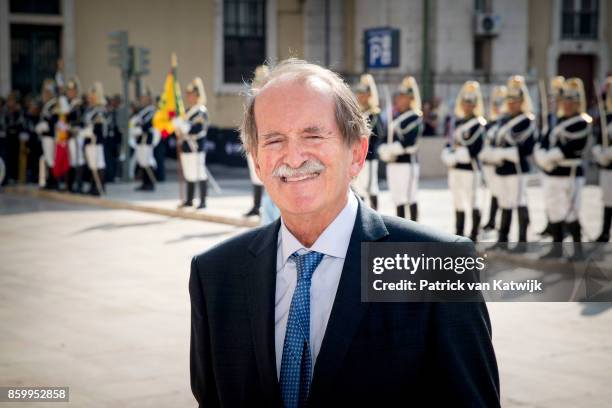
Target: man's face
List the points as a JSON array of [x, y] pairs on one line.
[[297, 129], [145, 100], [403, 102], [514, 105], [468, 108], [71, 93], [192, 98], [363, 99], [570, 107]]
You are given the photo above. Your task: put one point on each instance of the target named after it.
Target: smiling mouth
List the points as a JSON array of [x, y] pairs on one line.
[[303, 177]]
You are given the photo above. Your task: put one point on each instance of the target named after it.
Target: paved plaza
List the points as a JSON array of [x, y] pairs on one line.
[[97, 300]]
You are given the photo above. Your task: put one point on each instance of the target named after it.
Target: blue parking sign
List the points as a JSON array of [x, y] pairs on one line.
[[381, 48]]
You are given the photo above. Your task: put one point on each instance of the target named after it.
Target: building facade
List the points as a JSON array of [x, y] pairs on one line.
[[441, 42]]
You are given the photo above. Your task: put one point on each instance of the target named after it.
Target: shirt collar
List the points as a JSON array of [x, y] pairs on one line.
[[333, 241]]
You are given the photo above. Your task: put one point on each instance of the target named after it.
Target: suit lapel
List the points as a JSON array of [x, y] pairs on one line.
[[348, 309], [261, 280]]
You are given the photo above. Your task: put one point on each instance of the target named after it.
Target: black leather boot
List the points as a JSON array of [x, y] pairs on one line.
[[374, 202], [203, 193], [475, 225], [504, 229], [490, 225], [190, 192], [556, 231], [414, 212], [257, 193], [607, 222], [400, 211], [459, 222], [523, 223], [575, 231]]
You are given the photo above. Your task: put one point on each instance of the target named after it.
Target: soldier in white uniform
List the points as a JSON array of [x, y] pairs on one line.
[[75, 143], [461, 156], [258, 187], [144, 137], [514, 143], [496, 111], [602, 153], [366, 182], [555, 111], [94, 132], [400, 153], [563, 164], [45, 129], [192, 136]]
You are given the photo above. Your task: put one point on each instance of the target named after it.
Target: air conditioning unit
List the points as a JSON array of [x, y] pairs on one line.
[[486, 24]]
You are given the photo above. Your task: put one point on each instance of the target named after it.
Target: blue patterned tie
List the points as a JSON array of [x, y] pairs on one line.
[[296, 364]]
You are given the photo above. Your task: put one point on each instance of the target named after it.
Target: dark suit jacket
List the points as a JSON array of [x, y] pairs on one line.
[[373, 354]]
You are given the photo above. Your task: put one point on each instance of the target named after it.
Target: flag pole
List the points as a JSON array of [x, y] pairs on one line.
[[179, 148]]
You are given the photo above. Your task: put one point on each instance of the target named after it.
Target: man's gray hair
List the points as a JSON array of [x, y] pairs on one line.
[[350, 120]]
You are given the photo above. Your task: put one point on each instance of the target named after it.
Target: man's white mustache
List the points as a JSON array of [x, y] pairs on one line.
[[305, 169]]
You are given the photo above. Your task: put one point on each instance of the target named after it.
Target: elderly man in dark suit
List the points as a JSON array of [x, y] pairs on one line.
[[277, 318]]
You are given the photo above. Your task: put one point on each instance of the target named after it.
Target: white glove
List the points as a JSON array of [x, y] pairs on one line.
[[396, 149], [41, 127], [539, 155], [448, 157], [462, 154], [385, 154], [554, 155], [135, 131], [86, 132], [510, 154], [485, 154], [24, 136], [181, 125], [597, 151]]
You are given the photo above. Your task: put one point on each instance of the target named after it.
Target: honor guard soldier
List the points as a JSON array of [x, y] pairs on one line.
[[461, 156], [497, 109], [602, 153], [75, 142], [11, 117], [94, 132], [260, 73], [366, 182], [46, 132], [144, 137], [514, 143], [192, 136], [555, 111], [400, 149], [562, 161]]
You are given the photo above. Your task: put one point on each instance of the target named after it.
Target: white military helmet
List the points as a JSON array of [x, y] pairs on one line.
[[573, 89], [497, 107], [517, 89], [97, 91], [197, 86], [409, 86], [367, 84], [470, 92]]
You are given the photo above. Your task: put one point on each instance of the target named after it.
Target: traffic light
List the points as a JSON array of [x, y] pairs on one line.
[[142, 60], [118, 50]]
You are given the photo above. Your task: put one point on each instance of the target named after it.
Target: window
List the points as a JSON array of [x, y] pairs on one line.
[[35, 6], [579, 19], [244, 38]]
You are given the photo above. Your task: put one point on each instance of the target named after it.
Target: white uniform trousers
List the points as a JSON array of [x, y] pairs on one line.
[[403, 180], [75, 152], [563, 198], [464, 188], [94, 155], [144, 155], [491, 179], [48, 148], [366, 182], [512, 191], [194, 166]]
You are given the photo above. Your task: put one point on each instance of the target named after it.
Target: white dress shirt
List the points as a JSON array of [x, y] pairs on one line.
[[333, 244]]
